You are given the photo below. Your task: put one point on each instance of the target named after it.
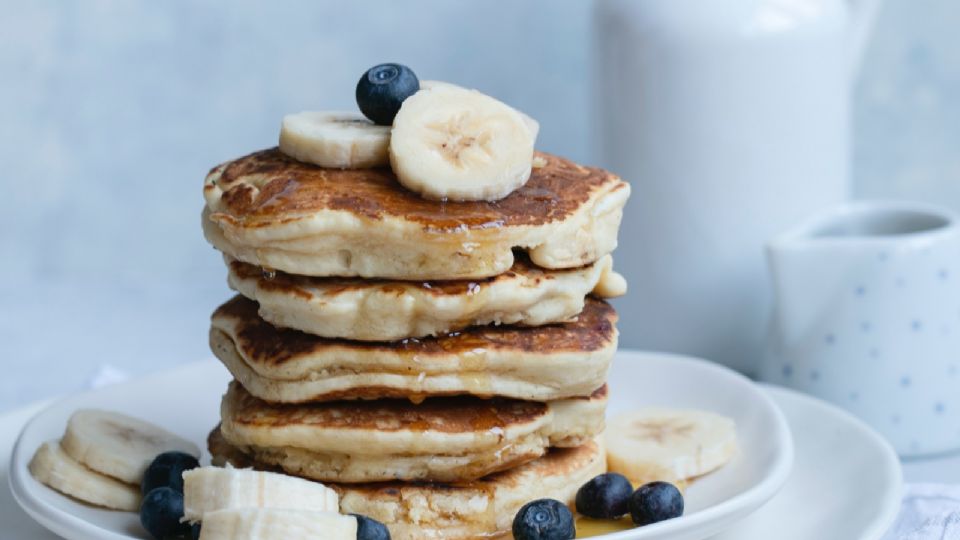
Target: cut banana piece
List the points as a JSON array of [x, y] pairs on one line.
[[532, 124], [335, 139], [452, 143], [671, 445], [611, 284], [118, 445], [277, 524], [52, 467], [208, 489]]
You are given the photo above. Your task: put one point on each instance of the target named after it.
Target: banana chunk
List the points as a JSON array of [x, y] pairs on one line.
[[276, 524], [118, 445], [672, 445], [335, 139], [52, 467], [452, 143], [532, 124], [208, 489]]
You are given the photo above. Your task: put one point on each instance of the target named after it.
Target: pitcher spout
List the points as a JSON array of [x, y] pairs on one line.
[[867, 223]]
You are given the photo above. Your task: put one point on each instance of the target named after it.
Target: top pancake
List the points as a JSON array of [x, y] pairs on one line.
[[273, 211]]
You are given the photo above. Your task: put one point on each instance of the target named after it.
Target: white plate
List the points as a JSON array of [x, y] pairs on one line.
[[186, 401], [846, 482]]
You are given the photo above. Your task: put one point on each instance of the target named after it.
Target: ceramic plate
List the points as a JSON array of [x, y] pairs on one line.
[[186, 401], [846, 482]]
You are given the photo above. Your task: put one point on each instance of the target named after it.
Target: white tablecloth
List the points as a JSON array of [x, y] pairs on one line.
[[929, 511]]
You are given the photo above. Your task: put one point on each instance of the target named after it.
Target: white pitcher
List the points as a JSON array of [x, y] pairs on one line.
[[731, 120], [867, 316]]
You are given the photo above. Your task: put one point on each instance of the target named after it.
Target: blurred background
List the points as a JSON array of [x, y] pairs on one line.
[[111, 113]]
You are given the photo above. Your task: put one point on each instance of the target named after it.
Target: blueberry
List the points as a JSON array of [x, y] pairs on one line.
[[160, 513], [606, 496], [655, 502], [167, 471], [195, 531], [544, 519], [370, 529], [382, 90]]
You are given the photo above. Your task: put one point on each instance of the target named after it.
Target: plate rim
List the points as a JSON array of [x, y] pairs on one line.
[[763, 491], [893, 469]]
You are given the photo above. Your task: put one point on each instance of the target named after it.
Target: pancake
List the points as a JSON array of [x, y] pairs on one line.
[[385, 310], [540, 364], [272, 211], [443, 439], [480, 509]]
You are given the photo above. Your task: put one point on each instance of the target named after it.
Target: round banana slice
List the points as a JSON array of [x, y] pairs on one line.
[[335, 139], [117, 445], [672, 445], [532, 124], [452, 143], [52, 467]]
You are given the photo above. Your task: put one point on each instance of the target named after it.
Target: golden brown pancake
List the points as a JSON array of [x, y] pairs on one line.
[[386, 310], [543, 363], [270, 210], [442, 439], [479, 509]]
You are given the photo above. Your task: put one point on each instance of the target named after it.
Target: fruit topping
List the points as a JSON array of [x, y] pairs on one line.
[[161, 511], [655, 502], [606, 496], [382, 90], [544, 519], [370, 529], [334, 139], [452, 143], [166, 470]]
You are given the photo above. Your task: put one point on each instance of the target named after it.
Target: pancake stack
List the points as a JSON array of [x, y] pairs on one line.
[[437, 363]]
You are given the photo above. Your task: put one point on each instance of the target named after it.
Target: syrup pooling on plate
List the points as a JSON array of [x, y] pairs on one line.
[[589, 527]]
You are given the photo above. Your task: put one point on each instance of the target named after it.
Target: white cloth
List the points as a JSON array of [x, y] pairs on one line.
[[928, 512]]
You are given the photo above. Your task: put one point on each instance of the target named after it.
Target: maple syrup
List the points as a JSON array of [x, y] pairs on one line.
[[589, 527]]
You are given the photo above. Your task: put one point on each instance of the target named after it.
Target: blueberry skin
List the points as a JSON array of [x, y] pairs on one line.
[[382, 90], [606, 496], [370, 529], [544, 519], [160, 513], [195, 531], [655, 502], [166, 470]]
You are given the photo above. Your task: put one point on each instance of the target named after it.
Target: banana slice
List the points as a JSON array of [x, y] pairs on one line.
[[276, 524], [612, 284], [452, 143], [335, 139], [117, 445], [671, 445], [52, 467], [208, 489], [532, 124]]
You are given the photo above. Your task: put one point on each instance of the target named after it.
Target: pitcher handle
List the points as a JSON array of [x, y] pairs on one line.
[[862, 15]]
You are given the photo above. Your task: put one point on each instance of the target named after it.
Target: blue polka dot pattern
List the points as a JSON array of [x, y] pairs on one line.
[[873, 323]]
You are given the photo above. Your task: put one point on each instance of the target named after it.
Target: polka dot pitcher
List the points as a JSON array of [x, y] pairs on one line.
[[867, 316]]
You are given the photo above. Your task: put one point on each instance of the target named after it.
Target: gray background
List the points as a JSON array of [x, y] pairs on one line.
[[112, 112]]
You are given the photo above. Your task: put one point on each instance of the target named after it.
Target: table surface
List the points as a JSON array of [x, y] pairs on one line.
[[20, 526]]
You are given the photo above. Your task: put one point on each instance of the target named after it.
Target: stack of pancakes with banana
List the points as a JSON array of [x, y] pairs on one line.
[[439, 363]]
